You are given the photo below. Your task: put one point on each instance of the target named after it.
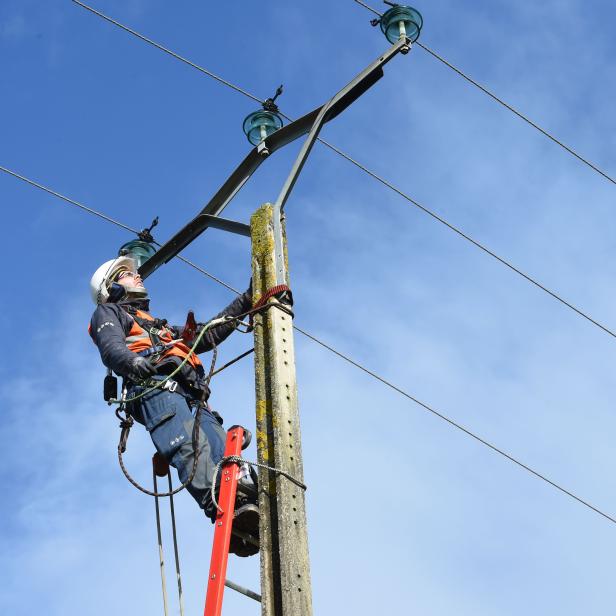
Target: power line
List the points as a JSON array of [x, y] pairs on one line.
[[167, 51], [67, 199], [211, 276], [386, 183], [371, 9], [453, 423], [108, 219], [367, 371], [502, 102], [476, 243]]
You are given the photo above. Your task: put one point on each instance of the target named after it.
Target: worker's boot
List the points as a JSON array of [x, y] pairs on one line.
[[245, 531]]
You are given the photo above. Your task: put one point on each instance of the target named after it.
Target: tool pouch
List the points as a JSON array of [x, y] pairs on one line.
[[110, 387]]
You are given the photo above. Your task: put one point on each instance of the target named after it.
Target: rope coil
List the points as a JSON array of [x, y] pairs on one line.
[[239, 460], [127, 421]]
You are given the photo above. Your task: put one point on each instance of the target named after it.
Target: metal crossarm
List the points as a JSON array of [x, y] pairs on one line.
[[309, 123]]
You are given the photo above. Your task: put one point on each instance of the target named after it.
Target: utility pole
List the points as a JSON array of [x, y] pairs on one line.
[[285, 571], [285, 568]]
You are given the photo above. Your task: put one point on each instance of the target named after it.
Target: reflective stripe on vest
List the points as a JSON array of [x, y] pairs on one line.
[[139, 340]]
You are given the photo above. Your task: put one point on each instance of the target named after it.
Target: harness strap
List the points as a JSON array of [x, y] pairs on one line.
[[147, 324], [153, 327]]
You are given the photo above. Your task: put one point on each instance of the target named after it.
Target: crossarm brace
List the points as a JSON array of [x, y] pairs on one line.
[[309, 123]]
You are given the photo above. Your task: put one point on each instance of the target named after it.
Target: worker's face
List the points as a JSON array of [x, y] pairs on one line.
[[129, 279]]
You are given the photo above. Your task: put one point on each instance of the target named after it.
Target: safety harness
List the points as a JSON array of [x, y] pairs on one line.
[[150, 337]]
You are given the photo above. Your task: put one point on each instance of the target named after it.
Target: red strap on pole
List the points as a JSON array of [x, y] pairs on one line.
[[281, 288], [223, 525]]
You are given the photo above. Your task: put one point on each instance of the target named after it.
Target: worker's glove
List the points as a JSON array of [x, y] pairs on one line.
[[142, 368], [248, 294]]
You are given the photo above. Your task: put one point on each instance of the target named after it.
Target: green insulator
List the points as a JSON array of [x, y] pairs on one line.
[[401, 21], [259, 125], [139, 250]]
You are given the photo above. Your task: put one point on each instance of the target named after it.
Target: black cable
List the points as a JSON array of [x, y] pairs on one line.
[[435, 216], [168, 51], [108, 219], [381, 379], [67, 199], [233, 361], [204, 272], [500, 101], [479, 245], [460, 427], [369, 8]]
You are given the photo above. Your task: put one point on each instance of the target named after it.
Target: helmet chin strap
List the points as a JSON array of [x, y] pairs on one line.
[[119, 292], [136, 292]]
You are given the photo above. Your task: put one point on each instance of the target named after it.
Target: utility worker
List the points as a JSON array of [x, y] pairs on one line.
[[144, 350]]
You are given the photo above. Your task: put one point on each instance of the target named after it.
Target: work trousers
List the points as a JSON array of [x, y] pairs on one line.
[[169, 419]]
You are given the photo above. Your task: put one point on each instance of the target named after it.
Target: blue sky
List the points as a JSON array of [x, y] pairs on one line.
[[406, 514]]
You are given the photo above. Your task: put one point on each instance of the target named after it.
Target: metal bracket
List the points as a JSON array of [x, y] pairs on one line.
[[337, 103], [309, 123], [224, 224]]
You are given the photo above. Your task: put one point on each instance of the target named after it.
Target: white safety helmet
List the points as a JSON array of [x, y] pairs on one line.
[[100, 283]]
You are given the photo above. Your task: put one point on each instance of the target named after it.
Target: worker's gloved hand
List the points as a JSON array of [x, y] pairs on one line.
[[142, 368], [248, 292]]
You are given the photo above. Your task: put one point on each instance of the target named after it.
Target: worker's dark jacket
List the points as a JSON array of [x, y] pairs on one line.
[[111, 323]]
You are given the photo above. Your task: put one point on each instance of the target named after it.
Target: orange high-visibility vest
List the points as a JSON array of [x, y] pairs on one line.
[[139, 340]]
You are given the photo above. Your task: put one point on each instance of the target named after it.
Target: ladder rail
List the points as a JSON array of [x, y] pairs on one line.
[[223, 525]]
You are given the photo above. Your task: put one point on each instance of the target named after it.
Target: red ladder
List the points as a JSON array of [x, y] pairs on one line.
[[224, 522]]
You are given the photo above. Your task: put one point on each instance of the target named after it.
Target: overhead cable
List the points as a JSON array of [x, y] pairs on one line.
[[108, 219], [379, 378], [476, 243], [386, 183], [67, 199], [204, 272], [456, 425], [168, 51], [505, 104]]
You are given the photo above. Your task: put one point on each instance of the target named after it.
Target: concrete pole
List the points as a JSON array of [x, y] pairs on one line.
[[285, 569]]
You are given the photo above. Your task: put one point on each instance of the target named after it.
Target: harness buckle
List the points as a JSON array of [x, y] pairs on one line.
[[154, 335], [171, 385]]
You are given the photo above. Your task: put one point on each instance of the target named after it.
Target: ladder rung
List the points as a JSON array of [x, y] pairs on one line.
[[242, 590]]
